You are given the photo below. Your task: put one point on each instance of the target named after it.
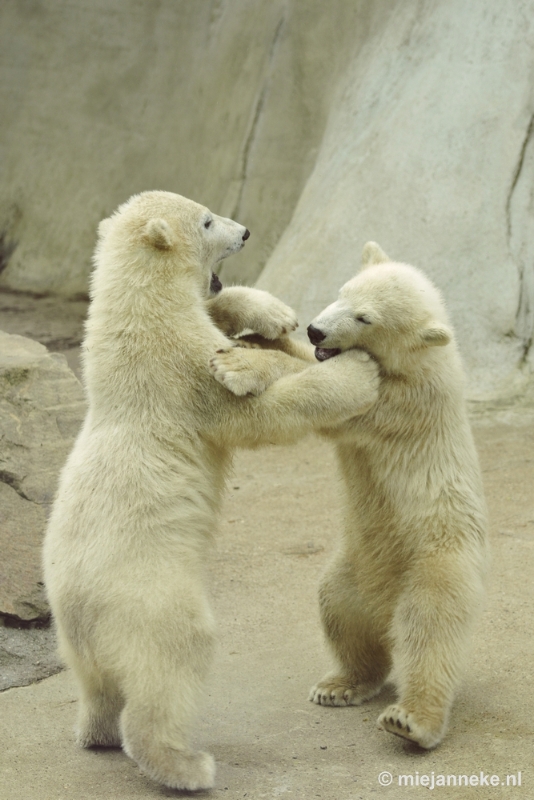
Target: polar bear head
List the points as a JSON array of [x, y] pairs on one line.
[[391, 310], [155, 234]]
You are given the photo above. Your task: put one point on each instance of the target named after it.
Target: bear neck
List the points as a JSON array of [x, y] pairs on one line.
[[132, 330], [420, 365], [149, 301]]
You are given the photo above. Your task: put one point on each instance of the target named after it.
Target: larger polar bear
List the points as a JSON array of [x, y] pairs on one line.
[[129, 535], [404, 587]]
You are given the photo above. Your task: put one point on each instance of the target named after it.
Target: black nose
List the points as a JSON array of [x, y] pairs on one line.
[[315, 335], [246, 234]]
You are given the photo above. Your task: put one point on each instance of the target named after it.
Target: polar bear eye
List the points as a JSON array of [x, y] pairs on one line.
[[363, 319], [208, 223]]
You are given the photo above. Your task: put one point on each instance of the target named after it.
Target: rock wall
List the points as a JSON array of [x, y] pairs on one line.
[[429, 151], [318, 125], [225, 102]]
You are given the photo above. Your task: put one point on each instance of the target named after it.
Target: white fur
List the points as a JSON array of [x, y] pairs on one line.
[[405, 586], [130, 531]]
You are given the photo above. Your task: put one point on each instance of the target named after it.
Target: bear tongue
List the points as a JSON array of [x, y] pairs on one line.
[[322, 353]]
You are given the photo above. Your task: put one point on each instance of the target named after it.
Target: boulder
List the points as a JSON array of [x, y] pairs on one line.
[[41, 409]]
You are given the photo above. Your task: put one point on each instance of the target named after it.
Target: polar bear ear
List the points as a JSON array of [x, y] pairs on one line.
[[373, 254], [159, 234], [436, 335]]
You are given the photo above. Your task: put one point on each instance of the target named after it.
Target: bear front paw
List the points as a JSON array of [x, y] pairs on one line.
[[232, 369], [275, 320]]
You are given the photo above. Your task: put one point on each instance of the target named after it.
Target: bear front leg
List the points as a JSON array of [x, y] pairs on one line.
[[356, 640], [318, 396], [241, 308], [243, 371]]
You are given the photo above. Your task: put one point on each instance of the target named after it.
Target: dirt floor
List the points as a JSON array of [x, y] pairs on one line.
[[277, 531]]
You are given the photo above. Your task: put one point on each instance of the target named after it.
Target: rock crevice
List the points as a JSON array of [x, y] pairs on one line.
[[520, 229], [255, 119]]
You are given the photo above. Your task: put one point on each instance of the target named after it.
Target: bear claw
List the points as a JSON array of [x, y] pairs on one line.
[[399, 722], [339, 694]]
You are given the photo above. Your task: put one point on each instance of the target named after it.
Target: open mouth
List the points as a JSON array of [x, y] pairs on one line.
[[323, 353], [215, 285]]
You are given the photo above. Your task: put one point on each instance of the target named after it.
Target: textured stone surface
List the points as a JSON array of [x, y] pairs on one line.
[[27, 655], [41, 409], [22, 523], [55, 321]]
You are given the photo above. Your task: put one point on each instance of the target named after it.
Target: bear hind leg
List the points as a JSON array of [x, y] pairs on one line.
[[100, 704], [98, 721], [357, 642], [163, 691], [430, 629], [155, 730]]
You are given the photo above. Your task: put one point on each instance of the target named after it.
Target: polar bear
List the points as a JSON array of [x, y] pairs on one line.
[[129, 535], [405, 585]]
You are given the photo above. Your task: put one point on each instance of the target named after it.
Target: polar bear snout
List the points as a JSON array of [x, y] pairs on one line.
[[223, 236], [315, 335]]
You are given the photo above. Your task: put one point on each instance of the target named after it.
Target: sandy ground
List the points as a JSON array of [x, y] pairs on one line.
[[277, 531]]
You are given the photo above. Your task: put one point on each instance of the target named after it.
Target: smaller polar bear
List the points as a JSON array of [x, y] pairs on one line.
[[132, 525], [404, 588]]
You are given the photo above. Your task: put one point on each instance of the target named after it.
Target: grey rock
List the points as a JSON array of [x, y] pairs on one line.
[[27, 655], [22, 523], [41, 409]]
